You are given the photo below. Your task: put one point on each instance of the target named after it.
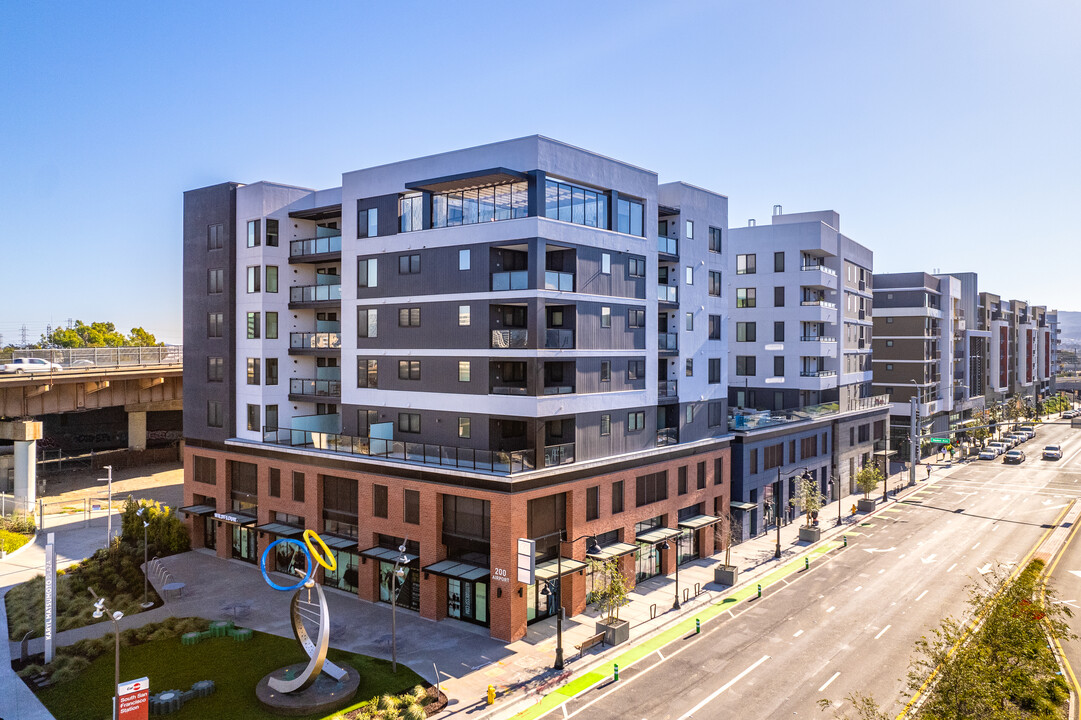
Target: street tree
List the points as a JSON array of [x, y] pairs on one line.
[[810, 499], [867, 479]]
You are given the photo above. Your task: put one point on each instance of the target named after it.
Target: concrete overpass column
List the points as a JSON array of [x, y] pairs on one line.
[[25, 434], [137, 430]]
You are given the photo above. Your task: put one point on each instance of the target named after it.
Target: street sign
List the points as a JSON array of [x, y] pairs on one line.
[[940, 441], [50, 597], [133, 700], [527, 561]]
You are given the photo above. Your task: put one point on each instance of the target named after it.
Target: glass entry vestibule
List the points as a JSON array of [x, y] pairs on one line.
[[647, 560], [467, 590]]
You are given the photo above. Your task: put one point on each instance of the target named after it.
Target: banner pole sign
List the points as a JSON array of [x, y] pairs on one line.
[[133, 700], [527, 561], [50, 597]]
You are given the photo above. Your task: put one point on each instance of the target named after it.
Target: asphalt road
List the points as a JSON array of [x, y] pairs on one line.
[[851, 621]]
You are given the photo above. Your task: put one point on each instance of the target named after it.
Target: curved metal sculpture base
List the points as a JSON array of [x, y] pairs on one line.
[[323, 697], [316, 651]]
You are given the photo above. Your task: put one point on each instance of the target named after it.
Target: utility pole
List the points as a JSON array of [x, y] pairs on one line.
[[22, 332]]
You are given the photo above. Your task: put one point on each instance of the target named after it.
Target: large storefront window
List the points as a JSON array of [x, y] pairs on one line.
[[244, 544], [345, 574], [467, 600], [540, 605], [647, 562], [210, 533], [687, 545]]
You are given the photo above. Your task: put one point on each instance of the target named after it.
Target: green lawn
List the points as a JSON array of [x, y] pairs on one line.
[[235, 667]]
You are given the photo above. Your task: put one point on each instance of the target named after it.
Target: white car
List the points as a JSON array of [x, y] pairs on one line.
[[1028, 430], [988, 454], [1052, 452], [998, 447], [30, 365]]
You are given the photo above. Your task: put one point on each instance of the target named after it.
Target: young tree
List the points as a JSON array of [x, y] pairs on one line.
[[728, 533], [610, 587], [867, 479], [810, 499]]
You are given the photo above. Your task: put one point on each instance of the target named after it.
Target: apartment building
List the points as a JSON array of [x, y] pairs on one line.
[[799, 380], [1022, 348], [452, 353]]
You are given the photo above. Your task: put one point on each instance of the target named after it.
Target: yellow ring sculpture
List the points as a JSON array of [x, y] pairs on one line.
[[332, 565]]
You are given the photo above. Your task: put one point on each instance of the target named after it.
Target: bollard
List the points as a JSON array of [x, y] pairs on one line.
[[759, 589], [806, 563], [845, 538], [697, 626], [615, 671], [491, 694]]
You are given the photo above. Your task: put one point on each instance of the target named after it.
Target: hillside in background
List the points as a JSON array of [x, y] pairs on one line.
[[1069, 325]]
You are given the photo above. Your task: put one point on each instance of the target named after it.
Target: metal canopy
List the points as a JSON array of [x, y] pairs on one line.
[[549, 569], [656, 536], [614, 550], [199, 510], [236, 517], [458, 570], [742, 506], [340, 543], [698, 522], [281, 529], [388, 555], [479, 178], [320, 213]]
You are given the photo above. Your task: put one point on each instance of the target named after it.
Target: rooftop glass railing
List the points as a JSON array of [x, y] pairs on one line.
[[745, 420]]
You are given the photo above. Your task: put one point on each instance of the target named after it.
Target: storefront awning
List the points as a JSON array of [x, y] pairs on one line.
[[742, 506], [198, 510], [236, 518], [340, 543], [281, 529], [614, 550], [698, 522], [388, 555], [458, 570], [549, 569], [656, 536]]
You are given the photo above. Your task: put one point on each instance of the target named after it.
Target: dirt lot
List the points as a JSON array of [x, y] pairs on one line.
[[163, 482]]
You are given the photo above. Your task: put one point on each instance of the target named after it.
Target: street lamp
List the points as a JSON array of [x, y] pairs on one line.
[[666, 546], [109, 512], [396, 577], [777, 504], [99, 612], [835, 490], [593, 548], [146, 566]]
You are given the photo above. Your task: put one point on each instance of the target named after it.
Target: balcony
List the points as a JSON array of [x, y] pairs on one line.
[[560, 281], [667, 390], [517, 280], [668, 293], [667, 436], [818, 303], [557, 339], [668, 342], [817, 338], [513, 339], [558, 454], [508, 390], [817, 373], [315, 388], [318, 249], [813, 267], [316, 342], [303, 295], [558, 390], [668, 246], [743, 420]]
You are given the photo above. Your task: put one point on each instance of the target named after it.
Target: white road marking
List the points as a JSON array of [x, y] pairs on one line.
[[883, 630], [929, 558], [858, 588], [564, 706], [1075, 572], [920, 595], [724, 687], [797, 633], [994, 527], [878, 550], [975, 546], [832, 608], [659, 654], [827, 683], [984, 570], [951, 567]]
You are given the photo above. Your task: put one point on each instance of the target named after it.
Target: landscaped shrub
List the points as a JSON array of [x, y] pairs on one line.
[[166, 533]]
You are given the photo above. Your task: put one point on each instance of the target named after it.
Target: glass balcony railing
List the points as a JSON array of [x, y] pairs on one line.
[[315, 341], [517, 280], [315, 293], [667, 436], [328, 373], [819, 303], [315, 246], [558, 339], [510, 339], [668, 342], [558, 389], [817, 338], [817, 373], [668, 246], [561, 281], [317, 388], [668, 389], [667, 293], [739, 419], [558, 454], [820, 268], [508, 390]]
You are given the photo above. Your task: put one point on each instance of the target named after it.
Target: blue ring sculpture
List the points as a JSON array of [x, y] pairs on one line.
[[307, 556]]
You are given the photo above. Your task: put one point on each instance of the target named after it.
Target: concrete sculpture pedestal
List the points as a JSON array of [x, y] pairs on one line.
[[325, 695]]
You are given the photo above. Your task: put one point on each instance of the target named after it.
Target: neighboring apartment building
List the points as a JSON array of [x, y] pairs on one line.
[[1022, 348], [799, 380], [451, 353]]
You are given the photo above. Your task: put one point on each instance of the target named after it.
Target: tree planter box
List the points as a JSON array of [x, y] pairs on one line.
[[866, 505], [726, 574], [616, 632], [810, 534]]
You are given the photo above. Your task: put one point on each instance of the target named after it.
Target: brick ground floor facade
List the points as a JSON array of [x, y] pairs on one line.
[[460, 530]]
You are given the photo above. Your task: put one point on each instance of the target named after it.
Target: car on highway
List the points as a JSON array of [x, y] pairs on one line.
[[1014, 457], [1052, 452], [988, 454], [998, 447], [29, 365], [1028, 430]]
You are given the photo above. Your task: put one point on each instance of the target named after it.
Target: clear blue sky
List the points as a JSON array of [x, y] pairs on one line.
[[945, 133]]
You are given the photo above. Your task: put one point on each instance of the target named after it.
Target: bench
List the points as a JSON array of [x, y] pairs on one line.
[[589, 642]]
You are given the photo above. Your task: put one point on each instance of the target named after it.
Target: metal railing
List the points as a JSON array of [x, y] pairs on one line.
[[668, 246], [819, 303], [512, 339], [559, 339], [558, 454], [668, 341], [667, 388], [817, 373], [561, 281], [557, 389], [754, 419], [667, 293], [516, 280], [108, 356], [494, 461], [818, 338], [319, 388], [315, 293], [315, 341], [315, 246], [820, 268]]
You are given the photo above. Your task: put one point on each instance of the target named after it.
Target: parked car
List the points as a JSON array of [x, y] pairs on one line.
[[1019, 437], [1014, 457], [1029, 430], [988, 454], [29, 365], [1052, 452], [998, 447]]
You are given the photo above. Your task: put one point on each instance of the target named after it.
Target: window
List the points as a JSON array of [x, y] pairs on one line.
[[463, 259], [367, 373], [411, 500], [606, 316], [714, 327], [865, 433], [271, 366], [629, 217], [463, 427], [606, 263], [778, 262], [716, 413], [889, 343], [778, 331], [253, 371], [271, 278], [617, 497], [702, 475], [409, 264], [636, 421], [746, 265], [746, 332], [715, 240], [409, 422], [606, 370], [636, 369], [715, 283], [253, 418], [689, 275], [889, 320], [479, 205], [215, 281], [298, 487], [778, 366], [270, 416], [651, 488], [714, 371], [380, 496], [579, 205], [689, 323], [808, 448], [409, 369], [253, 278], [463, 371], [368, 223], [636, 318], [213, 414], [690, 230], [463, 315], [272, 233], [690, 367], [636, 267], [889, 366], [745, 364], [214, 322], [681, 480], [593, 502], [606, 425], [253, 233], [272, 326], [253, 325], [275, 482], [409, 317], [215, 236], [411, 213], [778, 296], [773, 456], [746, 297], [368, 273], [752, 461]]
